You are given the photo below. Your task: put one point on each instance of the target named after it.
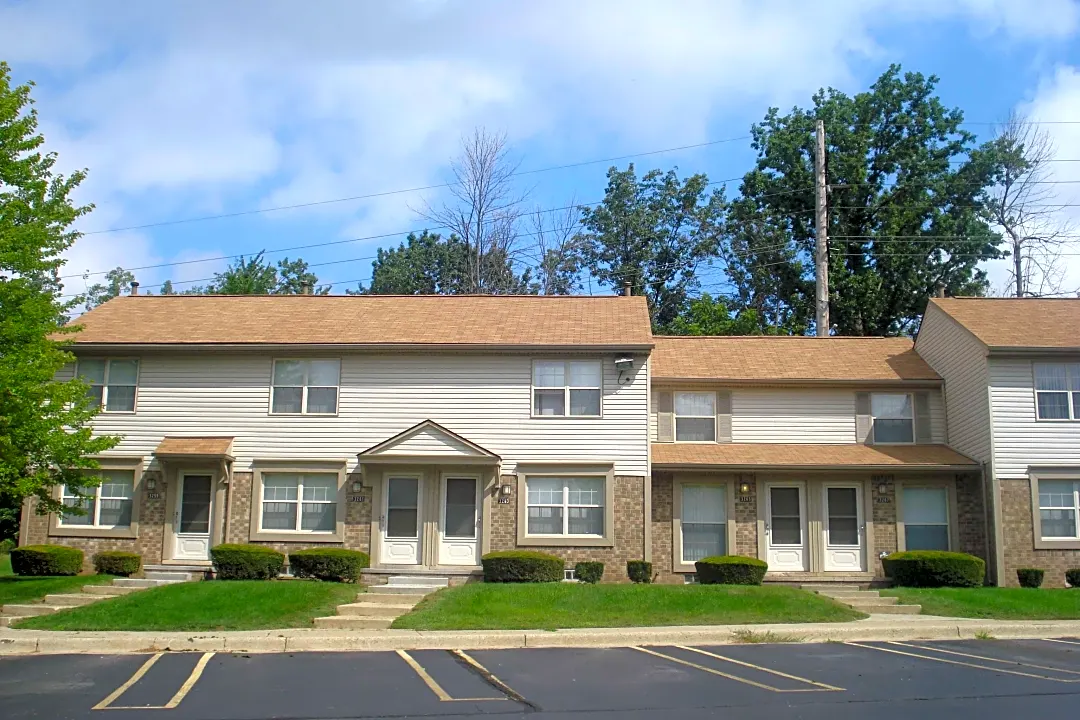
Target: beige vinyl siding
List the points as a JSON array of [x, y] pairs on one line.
[[1019, 439], [484, 398], [960, 359]]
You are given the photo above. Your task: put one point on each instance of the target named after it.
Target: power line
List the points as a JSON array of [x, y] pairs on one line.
[[406, 190]]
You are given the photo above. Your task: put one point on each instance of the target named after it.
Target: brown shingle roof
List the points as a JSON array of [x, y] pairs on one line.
[[1017, 322], [794, 359], [202, 446], [544, 321], [749, 455]]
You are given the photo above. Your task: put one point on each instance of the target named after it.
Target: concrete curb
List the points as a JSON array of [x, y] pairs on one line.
[[38, 642]]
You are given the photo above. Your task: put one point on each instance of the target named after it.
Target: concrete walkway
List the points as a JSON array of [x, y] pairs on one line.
[[876, 627]]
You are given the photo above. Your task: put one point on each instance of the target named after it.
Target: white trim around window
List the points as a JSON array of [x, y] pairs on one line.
[[695, 416], [292, 499], [112, 506], [114, 383], [567, 388], [1057, 391], [923, 508], [892, 415], [563, 506], [305, 386], [1055, 505], [716, 513]]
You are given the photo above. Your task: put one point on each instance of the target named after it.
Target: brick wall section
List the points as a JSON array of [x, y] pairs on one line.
[[971, 520], [884, 519], [746, 526], [148, 544], [663, 499], [1019, 539], [629, 530]]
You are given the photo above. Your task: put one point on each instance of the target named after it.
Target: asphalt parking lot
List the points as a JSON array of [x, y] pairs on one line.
[[975, 678]]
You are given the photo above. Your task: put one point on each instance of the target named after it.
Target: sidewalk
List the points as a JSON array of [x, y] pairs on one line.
[[876, 627]]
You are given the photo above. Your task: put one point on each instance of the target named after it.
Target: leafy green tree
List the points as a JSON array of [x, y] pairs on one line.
[[258, 276], [45, 439], [707, 315], [906, 214], [117, 282], [653, 232], [167, 288]]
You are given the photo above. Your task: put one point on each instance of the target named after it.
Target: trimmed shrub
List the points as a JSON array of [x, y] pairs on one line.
[[935, 568], [1072, 576], [522, 566], [639, 571], [589, 572], [730, 570], [333, 564], [1030, 577], [115, 562], [6, 546], [247, 562], [46, 560]]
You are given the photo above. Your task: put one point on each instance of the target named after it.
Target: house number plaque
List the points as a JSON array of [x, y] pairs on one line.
[[882, 500], [357, 498], [153, 496]]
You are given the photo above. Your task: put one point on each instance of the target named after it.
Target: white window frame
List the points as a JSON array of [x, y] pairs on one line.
[[675, 415], [95, 515], [305, 387], [299, 502], [874, 418], [1074, 407], [567, 387], [566, 506], [1038, 507], [948, 511], [104, 385]]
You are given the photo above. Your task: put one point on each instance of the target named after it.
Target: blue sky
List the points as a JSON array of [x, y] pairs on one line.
[[186, 109]]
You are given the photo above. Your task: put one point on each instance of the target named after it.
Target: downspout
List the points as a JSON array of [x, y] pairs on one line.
[[986, 515]]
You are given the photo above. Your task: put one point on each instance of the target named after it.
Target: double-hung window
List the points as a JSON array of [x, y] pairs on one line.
[[894, 418], [112, 382], [571, 387], [571, 506], [108, 505], [1057, 391], [1059, 509], [926, 518], [294, 502], [695, 416], [305, 387], [704, 521]]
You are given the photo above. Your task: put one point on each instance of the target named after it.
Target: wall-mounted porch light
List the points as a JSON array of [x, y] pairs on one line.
[[744, 488], [151, 483], [357, 485], [505, 490], [882, 489]]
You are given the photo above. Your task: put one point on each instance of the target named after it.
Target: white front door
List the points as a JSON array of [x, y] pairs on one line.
[[401, 520], [785, 527], [460, 517], [844, 536], [191, 521]]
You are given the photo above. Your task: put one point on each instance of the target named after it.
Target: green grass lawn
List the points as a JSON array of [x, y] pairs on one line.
[[550, 606], [992, 602], [16, 590], [207, 605]]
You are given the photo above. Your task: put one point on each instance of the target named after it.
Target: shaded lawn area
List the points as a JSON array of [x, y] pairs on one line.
[[207, 605], [16, 590], [549, 606], [994, 602]]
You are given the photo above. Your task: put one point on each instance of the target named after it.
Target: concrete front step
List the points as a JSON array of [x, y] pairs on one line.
[[142, 582], [5, 621], [174, 575], [424, 580], [379, 610], [868, 601], [396, 599], [831, 587], [72, 600], [402, 589], [352, 622], [888, 609], [32, 610], [849, 593], [108, 590]]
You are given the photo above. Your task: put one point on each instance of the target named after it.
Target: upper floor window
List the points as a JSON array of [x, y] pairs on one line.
[[695, 416], [306, 387], [571, 387], [1057, 391], [112, 382], [894, 418], [106, 506]]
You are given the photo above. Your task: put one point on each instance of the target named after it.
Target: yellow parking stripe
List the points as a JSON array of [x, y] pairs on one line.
[[957, 662], [490, 677], [823, 686], [131, 681], [989, 659], [430, 681], [196, 673]]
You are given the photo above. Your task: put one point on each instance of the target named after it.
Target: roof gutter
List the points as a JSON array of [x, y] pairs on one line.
[[366, 347], [768, 466], [802, 382]]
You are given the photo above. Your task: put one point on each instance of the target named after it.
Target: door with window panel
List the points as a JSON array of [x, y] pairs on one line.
[[459, 525], [843, 527], [785, 527], [703, 521], [401, 520], [191, 519]]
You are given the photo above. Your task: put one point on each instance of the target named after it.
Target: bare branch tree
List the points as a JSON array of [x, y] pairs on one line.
[[557, 259], [485, 211], [1023, 205]]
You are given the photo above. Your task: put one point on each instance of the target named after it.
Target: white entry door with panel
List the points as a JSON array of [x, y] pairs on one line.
[[785, 527], [191, 520], [845, 546], [401, 520], [460, 520]]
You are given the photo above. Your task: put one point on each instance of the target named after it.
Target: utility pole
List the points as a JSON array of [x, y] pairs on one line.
[[821, 240]]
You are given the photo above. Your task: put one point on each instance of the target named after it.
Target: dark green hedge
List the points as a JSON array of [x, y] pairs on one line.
[[1072, 576], [46, 560], [116, 562], [1030, 577], [639, 571], [333, 564], [730, 570], [934, 568], [522, 566], [589, 572], [247, 562]]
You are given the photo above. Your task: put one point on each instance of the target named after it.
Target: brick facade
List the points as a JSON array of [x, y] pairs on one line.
[[1019, 539]]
